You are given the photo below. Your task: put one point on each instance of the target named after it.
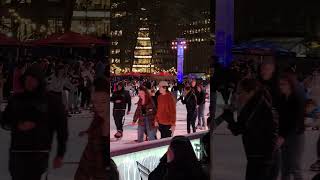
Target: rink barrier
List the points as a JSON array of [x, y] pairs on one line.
[[133, 148]]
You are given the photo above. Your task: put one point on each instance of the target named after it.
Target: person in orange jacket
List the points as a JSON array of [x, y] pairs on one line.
[[165, 118]]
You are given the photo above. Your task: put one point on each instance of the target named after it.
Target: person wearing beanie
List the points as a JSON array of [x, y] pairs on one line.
[[33, 117], [121, 98], [166, 111]]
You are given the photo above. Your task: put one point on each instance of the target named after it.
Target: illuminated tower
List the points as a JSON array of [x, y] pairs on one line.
[[143, 50], [180, 45]]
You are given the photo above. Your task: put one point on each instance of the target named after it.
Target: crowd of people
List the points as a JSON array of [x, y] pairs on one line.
[[271, 106], [42, 94], [156, 107]]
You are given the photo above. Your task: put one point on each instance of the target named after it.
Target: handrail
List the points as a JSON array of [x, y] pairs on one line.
[[150, 144]]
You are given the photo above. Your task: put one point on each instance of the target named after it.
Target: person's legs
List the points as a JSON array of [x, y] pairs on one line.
[[165, 131], [82, 98], [168, 131], [213, 104], [199, 117], [275, 168], [258, 169], [318, 148], [225, 95], [118, 117], [88, 98], [201, 114], [189, 119], [251, 171], [141, 130], [316, 166], [285, 160], [298, 149], [29, 166], [161, 129], [193, 122], [149, 130], [92, 164]]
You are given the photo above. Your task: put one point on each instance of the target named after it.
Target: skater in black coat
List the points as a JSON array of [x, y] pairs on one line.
[[120, 98], [190, 100]]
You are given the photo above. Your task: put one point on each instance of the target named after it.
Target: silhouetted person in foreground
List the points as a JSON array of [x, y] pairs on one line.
[[33, 117], [179, 163]]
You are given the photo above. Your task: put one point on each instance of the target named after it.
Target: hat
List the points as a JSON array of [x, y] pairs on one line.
[[163, 83]]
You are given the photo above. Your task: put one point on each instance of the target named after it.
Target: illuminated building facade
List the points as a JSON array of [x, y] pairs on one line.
[[199, 37], [33, 19], [91, 17], [123, 33]]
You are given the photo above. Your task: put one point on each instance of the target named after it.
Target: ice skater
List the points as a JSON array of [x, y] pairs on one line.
[[120, 98]]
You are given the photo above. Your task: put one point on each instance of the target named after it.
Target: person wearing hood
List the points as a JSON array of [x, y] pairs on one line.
[[121, 98], [258, 127], [33, 117], [179, 163]]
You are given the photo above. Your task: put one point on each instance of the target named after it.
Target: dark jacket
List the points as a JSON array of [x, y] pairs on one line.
[[217, 78], [257, 126], [48, 114], [273, 88], [201, 97], [191, 102], [124, 97], [291, 115], [168, 171]]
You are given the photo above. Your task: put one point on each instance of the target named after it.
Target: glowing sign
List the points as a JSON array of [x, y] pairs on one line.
[[181, 46]]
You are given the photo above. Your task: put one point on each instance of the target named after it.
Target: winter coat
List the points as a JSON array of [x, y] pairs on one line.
[[191, 102], [258, 127], [166, 110], [291, 114], [150, 112], [201, 98], [46, 111], [124, 97]]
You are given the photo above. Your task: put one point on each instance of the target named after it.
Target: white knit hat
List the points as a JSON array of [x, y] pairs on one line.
[[163, 83]]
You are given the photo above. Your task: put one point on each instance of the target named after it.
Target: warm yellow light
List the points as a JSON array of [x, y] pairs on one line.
[[143, 38], [143, 47]]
